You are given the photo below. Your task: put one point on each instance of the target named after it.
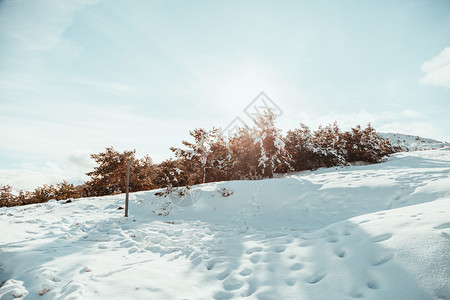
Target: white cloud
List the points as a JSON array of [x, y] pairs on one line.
[[38, 25], [28, 176], [363, 117], [437, 70], [407, 121]]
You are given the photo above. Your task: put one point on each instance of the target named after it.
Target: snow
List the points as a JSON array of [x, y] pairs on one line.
[[367, 232], [413, 142]]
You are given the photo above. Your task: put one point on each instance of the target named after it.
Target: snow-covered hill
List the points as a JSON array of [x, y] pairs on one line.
[[413, 142], [366, 232]]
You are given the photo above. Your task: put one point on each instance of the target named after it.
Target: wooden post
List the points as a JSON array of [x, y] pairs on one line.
[[127, 189]]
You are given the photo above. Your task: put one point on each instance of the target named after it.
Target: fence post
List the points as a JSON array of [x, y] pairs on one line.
[[127, 189]]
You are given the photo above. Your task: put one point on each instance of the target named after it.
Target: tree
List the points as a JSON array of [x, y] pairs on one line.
[[6, 196], [207, 152], [43, 194], [329, 143], [244, 156], [302, 151], [269, 140], [366, 145], [169, 174], [219, 158], [65, 190], [109, 176]]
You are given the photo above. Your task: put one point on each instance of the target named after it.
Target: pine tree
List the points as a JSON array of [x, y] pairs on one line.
[[302, 151], [330, 145], [207, 152], [269, 140], [244, 156], [109, 176]]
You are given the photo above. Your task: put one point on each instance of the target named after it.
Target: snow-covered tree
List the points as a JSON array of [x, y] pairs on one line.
[[269, 140], [208, 151], [329, 143], [365, 145], [244, 156], [304, 155]]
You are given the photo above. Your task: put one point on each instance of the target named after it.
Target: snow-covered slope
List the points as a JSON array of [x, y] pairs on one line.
[[413, 142], [368, 232]]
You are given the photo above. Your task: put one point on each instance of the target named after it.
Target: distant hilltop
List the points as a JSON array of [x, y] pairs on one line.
[[413, 142]]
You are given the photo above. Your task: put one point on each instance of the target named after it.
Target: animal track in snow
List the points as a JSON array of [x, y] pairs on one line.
[[381, 237]]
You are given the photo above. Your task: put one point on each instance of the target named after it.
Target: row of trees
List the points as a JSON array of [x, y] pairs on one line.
[[253, 153], [63, 190]]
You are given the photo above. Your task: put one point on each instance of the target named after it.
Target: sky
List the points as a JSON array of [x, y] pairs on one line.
[[79, 76]]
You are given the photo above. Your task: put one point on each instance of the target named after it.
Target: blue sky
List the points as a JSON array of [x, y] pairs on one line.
[[78, 76]]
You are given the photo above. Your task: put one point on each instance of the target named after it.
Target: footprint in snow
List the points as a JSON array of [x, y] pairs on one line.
[[279, 249], [232, 283], [212, 262], [315, 278], [296, 267], [332, 239], [196, 261], [347, 232], [254, 249], [252, 286], [355, 293], [221, 295], [223, 275], [445, 235], [382, 258], [255, 258], [443, 226], [245, 272], [290, 281], [339, 252], [372, 284], [381, 237]]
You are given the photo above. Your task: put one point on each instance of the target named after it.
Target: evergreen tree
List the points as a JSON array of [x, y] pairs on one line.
[[268, 138], [366, 145], [169, 174], [244, 156], [207, 152], [109, 176], [330, 145], [302, 151]]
